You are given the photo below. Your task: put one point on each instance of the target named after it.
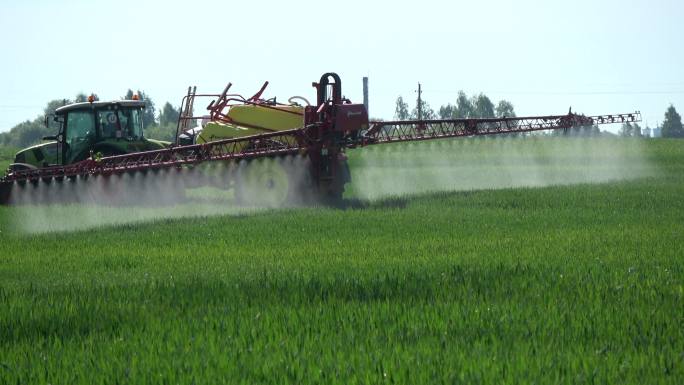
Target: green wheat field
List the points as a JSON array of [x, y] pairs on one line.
[[495, 261]]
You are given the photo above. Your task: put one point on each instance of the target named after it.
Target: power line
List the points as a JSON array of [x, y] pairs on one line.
[[9, 106], [679, 92]]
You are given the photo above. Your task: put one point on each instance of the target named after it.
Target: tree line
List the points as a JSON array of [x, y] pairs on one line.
[[481, 106], [159, 124], [670, 128], [475, 106]]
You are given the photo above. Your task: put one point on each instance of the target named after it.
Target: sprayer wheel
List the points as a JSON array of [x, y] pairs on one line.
[[262, 182]]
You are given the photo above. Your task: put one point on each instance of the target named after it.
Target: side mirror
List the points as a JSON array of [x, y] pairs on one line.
[[51, 117], [51, 137]]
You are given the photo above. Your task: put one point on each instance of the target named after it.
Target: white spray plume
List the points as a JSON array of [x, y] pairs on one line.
[[206, 190], [494, 163]]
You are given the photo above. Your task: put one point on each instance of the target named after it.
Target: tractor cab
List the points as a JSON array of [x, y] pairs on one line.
[[98, 128]]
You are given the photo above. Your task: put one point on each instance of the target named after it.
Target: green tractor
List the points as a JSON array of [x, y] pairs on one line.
[[88, 129]]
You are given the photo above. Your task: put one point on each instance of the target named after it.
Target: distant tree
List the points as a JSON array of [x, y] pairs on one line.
[[464, 108], [149, 119], [584, 131], [483, 106], [81, 97], [31, 133], [647, 131], [168, 115], [49, 110], [447, 112], [636, 130], [27, 133], [504, 109], [626, 129], [401, 111], [149, 112], [592, 130], [53, 105], [672, 125], [161, 132], [426, 112]]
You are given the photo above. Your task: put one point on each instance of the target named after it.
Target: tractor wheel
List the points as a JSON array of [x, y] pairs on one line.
[[5, 190]]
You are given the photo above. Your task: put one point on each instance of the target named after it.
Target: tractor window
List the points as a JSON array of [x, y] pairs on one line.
[[80, 125], [128, 120], [80, 132], [131, 123], [109, 125]]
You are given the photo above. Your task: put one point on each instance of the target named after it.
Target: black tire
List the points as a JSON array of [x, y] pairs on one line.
[[5, 193]]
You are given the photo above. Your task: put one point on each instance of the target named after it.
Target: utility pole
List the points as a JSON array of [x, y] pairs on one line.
[[365, 93], [420, 103]]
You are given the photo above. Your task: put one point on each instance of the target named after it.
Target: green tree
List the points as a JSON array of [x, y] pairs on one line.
[[483, 106], [401, 111], [672, 125], [161, 132], [168, 115], [54, 105], [629, 129], [149, 119], [49, 110], [426, 111], [579, 131], [447, 112], [27, 133], [594, 130], [30, 132], [464, 108], [626, 129], [505, 109]]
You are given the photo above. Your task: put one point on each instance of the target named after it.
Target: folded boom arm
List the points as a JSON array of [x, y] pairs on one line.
[[416, 130]]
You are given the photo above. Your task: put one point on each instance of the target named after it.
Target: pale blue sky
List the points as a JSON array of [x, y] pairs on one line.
[[544, 56]]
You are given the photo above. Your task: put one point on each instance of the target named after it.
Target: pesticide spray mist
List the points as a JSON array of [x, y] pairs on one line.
[[202, 191], [494, 163], [377, 172]]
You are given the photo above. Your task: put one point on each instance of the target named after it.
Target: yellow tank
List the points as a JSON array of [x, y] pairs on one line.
[[248, 118]]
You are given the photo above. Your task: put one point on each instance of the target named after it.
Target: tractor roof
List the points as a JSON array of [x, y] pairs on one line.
[[98, 104]]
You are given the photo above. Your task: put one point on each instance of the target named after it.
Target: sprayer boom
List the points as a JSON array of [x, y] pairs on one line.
[[416, 130]]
